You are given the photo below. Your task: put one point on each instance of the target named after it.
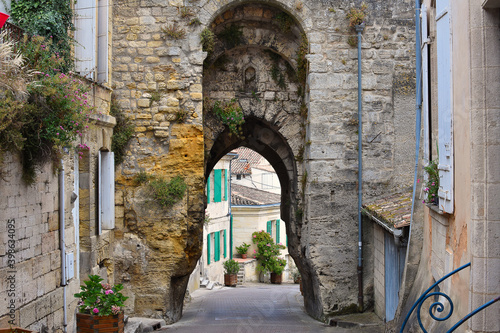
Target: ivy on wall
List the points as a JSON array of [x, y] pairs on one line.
[[48, 18]]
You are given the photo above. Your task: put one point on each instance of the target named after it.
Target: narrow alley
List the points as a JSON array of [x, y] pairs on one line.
[[254, 307]]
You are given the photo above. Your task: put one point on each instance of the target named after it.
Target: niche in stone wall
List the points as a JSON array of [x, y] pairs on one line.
[[250, 80]]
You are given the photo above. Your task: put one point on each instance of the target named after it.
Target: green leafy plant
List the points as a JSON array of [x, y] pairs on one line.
[[232, 35], [172, 31], [57, 111], [207, 38], [243, 248], [277, 76], [352, 41], [122, 132], [277, 265], [267, 251], [431, 186], [164, 193], [186, 12], [100, 299], [302, 61], [356, 16], [195, 21], [52, 19], [231, 267], [181, 115], [231, 115], [285, 22]]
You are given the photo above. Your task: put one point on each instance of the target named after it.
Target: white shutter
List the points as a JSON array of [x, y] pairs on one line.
[[85, 37], [107, 190], [102, 41], [445, 105], [425, 84], [99, 194]]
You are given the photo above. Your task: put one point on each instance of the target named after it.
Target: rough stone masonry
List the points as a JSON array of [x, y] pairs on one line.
[[291, 66]]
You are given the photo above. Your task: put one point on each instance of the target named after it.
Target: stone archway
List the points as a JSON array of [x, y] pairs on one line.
[[256, 64]]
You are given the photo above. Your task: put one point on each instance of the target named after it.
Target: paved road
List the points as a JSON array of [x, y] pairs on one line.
[[252, 308]]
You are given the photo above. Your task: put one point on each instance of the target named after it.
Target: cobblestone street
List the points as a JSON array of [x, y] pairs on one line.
[[252, 308]]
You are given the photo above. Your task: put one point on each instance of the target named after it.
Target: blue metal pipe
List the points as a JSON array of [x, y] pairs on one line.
[[359, 30], [418, 65]]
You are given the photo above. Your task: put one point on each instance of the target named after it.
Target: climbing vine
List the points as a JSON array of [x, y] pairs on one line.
[[48, 18], [122, 132]]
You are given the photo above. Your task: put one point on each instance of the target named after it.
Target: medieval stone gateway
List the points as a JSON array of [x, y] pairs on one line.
[[290, 67]]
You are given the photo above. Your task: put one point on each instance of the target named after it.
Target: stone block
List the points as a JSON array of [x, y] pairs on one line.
[[143, 103]]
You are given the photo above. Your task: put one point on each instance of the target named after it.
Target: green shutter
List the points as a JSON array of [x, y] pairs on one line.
[[278, 231], [286, 239], [208, 189], [225, 250], [208, 249], [217, 246], [270, 228], [217, 185], [225, 185]]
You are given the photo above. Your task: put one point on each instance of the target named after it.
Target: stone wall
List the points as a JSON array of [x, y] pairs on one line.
[[30, 233], [159, 75]]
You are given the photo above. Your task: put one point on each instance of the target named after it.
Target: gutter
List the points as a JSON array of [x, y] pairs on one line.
[[235, 156], [397, 233]]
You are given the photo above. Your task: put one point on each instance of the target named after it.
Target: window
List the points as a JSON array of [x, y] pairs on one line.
[[217, 186], [106, 191], [91, 36]]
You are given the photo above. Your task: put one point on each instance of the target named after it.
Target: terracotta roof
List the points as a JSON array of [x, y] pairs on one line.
[[247, 158], [247, 196], [394, 210]]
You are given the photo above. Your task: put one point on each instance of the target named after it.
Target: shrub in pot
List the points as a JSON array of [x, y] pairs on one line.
[[231, 269]]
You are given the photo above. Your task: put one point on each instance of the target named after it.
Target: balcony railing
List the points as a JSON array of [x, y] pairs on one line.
[[14, 33], [439, 307]]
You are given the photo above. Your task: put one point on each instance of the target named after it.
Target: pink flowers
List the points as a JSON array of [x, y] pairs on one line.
[[96, 310], [115, 310], [109, 291]]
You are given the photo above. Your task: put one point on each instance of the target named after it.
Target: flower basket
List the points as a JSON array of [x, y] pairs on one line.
[[3, 19], [276, 278], [230, 280], [86, 323]]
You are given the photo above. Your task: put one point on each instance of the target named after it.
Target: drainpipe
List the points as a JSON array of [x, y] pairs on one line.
[[235, 156], [61, 243], [418, 69], [359, 30]]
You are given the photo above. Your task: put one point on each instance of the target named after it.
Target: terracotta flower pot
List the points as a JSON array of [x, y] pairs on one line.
[[86, 323], [276, 278], [230, 280], [3, 19], [244, 256]]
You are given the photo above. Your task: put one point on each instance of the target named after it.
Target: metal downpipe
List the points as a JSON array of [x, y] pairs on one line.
[[359, 30], [62, 244]]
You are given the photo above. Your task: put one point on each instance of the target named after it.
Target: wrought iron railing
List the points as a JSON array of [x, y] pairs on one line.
[[14, 33], [439, 307]]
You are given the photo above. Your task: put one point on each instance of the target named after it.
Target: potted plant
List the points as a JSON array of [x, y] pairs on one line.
[[242, 250], [267, 252], [431, 186], [277, 268], [231, 269], [100, 306], [296, 276]]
